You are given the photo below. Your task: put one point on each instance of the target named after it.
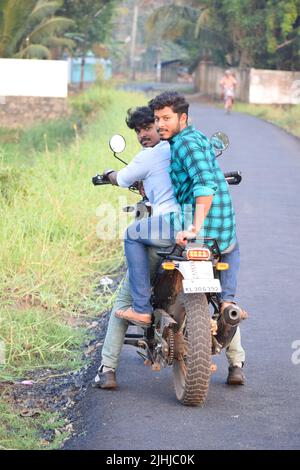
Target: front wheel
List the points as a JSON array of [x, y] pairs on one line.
[[191, 366]]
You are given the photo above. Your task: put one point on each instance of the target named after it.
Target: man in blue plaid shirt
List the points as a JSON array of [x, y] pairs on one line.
[[199, 184]]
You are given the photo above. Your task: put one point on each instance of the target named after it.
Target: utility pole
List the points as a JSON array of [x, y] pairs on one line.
[[133, 38], [158, 64]]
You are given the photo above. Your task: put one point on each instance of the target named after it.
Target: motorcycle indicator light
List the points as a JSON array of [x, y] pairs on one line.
[[168, 266], [196, 254], [222, 266]]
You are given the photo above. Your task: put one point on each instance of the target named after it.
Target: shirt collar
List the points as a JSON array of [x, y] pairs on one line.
[[184, 131]]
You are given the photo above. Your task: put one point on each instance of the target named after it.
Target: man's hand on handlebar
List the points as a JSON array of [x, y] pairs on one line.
[[183, 237], [111, 175]]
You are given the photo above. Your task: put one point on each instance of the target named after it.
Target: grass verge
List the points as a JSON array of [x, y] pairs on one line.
[[23, 433], [50, 256]]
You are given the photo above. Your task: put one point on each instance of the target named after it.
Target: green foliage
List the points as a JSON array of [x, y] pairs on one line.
[[36, 338], [92, 21], [28, 29], [24, 433], [11, 182], [49, 247], [252, 33]]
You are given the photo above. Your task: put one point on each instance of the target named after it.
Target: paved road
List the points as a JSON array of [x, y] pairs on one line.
[[264, 414]]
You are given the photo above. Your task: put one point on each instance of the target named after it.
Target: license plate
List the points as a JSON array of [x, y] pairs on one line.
[[201, 286]]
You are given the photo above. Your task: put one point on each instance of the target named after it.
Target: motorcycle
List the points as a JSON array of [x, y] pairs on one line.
[[187, 327]]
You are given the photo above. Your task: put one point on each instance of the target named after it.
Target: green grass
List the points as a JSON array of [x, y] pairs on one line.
[[50, 255], [24, 145], [23, 433], [36, 338], [48, 216], [285, 116]]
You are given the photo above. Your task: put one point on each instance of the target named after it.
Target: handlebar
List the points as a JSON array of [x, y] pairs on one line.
[[99, 180], [233, 177]]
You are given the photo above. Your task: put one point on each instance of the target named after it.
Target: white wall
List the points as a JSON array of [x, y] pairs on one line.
[[26, 77], [274, 86], [208, 76], [254, 85]]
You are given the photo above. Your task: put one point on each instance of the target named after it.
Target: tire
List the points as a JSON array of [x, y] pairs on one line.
[[191, 368]]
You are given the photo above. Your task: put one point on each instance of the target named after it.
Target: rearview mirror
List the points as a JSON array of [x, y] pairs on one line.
[[117, 143], [219, 141]]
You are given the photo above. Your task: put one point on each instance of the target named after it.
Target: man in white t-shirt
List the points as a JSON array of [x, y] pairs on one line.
[[150, 166]]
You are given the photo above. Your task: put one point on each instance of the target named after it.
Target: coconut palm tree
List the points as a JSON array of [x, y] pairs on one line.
[[29, 29], [187, 23]]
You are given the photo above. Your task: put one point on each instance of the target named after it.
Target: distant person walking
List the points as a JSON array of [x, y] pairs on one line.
[[228, 84]]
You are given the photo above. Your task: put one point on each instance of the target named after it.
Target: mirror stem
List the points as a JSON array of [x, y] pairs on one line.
[[115, 155]]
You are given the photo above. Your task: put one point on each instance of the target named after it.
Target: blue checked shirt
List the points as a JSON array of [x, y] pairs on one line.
[[195, 172]]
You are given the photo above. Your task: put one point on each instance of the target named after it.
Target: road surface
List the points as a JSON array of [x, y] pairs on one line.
[[265, 413]]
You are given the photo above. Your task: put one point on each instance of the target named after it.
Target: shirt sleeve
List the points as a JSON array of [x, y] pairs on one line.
[[198, 166], [136, 170]]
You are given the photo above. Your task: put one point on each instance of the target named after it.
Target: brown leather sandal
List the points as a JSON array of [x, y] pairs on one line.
[[139, 319]]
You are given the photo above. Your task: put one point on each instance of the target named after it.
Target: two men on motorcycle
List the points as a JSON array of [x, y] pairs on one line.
[[196, 180]]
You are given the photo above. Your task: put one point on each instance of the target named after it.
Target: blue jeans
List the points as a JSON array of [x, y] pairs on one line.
[[148, 232], [156, 232], [229, 277]]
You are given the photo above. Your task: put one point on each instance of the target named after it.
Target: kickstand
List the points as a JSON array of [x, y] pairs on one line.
[[142, 355], [149, 355]]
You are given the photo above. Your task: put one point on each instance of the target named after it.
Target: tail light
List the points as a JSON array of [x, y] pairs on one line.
[[168, 266], [198, 254]]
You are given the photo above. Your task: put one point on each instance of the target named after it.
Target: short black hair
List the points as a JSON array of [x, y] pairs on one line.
[[173, 100], [138, 118]]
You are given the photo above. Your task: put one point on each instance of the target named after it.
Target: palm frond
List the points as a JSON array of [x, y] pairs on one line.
[[60, 42], [56, 25], [171, 14], [34, 51], [203, 20], [172, 22], [14, 22], [43, 9]]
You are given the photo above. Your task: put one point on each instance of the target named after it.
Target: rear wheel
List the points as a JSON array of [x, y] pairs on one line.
[[191, 367]]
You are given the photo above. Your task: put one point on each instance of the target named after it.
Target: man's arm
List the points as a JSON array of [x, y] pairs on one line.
[[111, 175], [202, 207], [136, 170]]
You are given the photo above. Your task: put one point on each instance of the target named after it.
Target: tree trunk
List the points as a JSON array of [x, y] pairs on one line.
[[81, 85]]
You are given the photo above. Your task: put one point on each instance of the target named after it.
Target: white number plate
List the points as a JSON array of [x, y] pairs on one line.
[[201, 286]]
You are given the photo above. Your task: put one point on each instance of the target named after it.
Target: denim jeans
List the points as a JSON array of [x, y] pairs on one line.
[[148, 232], [229, 277]]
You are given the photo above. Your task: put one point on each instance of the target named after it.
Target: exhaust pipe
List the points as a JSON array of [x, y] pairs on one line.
[[227, 325]]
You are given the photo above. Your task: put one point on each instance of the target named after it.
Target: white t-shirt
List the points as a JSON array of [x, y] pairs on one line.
[[151, 166]]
